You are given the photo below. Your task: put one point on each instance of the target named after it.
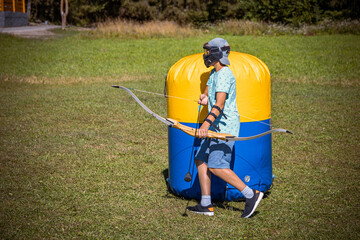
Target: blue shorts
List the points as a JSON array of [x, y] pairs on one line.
[[215, 153]]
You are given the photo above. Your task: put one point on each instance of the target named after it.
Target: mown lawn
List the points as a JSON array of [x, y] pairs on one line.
[[79, 159]]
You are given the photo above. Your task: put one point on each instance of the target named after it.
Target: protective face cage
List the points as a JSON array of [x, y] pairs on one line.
[[213, 53]]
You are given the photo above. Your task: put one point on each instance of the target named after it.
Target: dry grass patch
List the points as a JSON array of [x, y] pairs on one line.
[[246, 27], [129, 29], [241, 27]]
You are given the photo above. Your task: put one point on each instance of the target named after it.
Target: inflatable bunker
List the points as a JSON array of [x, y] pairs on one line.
[[252, 159]]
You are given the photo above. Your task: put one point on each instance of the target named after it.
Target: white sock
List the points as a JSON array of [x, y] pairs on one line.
[[247, 192], [205, 200]]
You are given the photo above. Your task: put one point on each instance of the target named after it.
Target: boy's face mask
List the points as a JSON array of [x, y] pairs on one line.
[[211, 54]]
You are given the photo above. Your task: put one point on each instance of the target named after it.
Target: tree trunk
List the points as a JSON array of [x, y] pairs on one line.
[[28, 10], [64, 14]]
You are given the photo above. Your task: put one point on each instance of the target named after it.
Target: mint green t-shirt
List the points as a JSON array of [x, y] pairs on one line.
[[224, 81]]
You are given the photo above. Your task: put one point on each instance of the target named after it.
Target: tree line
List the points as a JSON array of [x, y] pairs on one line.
[[197, 12]]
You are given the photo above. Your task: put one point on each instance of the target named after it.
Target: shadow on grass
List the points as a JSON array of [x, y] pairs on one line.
[[165, 173], [170, 193], [223, 205]]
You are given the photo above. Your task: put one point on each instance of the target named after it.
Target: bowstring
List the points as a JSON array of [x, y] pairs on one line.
[[169, 96], [165, 95], [197, 126]]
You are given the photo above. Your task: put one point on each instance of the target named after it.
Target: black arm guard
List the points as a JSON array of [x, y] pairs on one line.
[[220, 110], [212, 124]]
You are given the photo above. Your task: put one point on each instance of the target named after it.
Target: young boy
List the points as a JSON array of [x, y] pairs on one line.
[[214, 155]]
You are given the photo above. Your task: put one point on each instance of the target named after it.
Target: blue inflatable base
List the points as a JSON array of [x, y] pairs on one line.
[[251, 161]]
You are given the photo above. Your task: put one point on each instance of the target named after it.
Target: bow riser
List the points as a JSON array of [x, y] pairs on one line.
[[191, 131]]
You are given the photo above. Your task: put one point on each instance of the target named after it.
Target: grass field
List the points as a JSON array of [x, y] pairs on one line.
[[79, 159]]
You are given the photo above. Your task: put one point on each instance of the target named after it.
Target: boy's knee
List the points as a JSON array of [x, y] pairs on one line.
[[213, 170], [217, 171]]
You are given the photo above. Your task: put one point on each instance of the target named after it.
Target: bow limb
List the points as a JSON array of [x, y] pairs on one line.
[[192, 131], [167, 122], [173, 123], [258, 135]]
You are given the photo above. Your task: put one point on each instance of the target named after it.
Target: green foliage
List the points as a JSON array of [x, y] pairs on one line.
[[197, 18], [199, 12], [137, 10], [84, 12], [299, 12], [81, 12], [284, 11], [48, 10]]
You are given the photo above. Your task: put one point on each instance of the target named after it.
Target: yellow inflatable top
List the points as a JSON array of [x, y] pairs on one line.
[[187, 78]]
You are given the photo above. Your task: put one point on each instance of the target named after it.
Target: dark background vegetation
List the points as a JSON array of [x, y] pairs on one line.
[[198, 12]]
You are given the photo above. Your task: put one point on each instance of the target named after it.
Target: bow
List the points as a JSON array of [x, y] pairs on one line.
[[192, 131]]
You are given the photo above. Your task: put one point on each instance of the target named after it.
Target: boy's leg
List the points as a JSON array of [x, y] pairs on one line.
[[229, 176], [205, 207], [253, 197], [204, 177]]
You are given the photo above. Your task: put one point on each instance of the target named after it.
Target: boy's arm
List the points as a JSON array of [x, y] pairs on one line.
[[220, 102]]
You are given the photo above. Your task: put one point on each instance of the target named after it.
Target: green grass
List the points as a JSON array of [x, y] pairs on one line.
[[328, 59], [77, 158]]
